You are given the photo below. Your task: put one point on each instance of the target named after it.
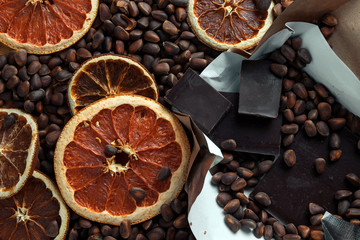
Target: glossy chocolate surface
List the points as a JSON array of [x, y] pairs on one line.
[[193, 96], [252, 134], [292, 189], [260, 89]]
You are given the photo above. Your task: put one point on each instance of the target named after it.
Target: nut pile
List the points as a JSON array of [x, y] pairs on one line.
[[170, 224], [238, 172], [156, 34], [349, 201], [309, 104], [153, 33]]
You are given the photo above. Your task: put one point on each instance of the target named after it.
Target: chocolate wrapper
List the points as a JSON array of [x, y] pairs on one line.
[[204, 154], [338, 229], [325, 67], [206, 218]]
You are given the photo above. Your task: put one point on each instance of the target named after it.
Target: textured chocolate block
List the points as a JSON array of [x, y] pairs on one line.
[[292, 189], [252, 134], [193, 96], [260, 90]]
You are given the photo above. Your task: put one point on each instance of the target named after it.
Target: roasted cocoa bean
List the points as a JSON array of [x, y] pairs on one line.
[[250, 214], [268, 232], [329, 19], [232, 206], [20, 57], [288, 52], [248, 223], [264, 166], [223, 198], [125, 229], [290, 128], [335, 155], [166, 212], [320, 165], [304, 231], [322, 128], [325, 111], [300, 90], [279, 70], [263, 199], [232, 223], [289, 158], [238, 184], [316, 219], [288, 140], [279, 229]]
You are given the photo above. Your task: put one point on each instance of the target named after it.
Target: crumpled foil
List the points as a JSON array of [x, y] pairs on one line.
[[338, 229]]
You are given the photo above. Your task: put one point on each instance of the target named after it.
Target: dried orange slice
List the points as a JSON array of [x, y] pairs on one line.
[[121, 158], [36, 212], [222, 24], [106, 75], [19, 144], [45, 26]]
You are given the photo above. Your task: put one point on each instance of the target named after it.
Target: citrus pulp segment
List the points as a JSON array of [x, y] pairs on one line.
[[36, 212], [116, 146], [106, 75], [45, 26], [19, 144], [222, 24]]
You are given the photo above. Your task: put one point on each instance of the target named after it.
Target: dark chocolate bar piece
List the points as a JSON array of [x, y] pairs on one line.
[[252, 134], [292, 189], [193, 96], [259, 89]]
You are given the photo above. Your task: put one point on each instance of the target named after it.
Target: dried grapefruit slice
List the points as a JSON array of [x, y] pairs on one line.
[[19, 144], [36, 212], [45, 26], [121, 158], [106, 75], [222, 24]]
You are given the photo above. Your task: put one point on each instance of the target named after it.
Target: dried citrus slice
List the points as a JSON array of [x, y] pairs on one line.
[[36, 212], [45, 26], [222, 24], [19, 144], [121, 158], [106, 75]]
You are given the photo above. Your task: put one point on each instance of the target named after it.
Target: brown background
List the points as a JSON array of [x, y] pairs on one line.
[[346, 37]]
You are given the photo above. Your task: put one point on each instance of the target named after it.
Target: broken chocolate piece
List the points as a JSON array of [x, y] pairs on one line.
[[193, 96], [259, 89], [292, 189], [251, 134]]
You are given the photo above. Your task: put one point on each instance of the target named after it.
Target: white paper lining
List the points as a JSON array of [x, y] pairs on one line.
[[326, 68], [206, 218]]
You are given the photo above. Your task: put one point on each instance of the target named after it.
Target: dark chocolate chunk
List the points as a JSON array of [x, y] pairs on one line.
[[292, 189], [193, 96], [259, 89], [252, 134]]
